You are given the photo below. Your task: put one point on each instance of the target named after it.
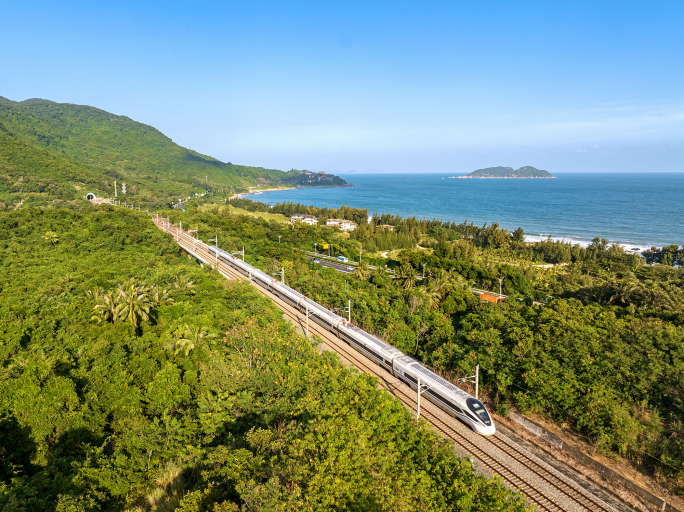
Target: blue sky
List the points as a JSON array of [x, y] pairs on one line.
[[371, 86]]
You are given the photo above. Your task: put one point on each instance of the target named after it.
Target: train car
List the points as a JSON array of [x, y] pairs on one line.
[[443, 394], [372, 347], [451, 399]]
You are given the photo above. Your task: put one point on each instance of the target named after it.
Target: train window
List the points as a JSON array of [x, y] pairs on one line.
[[479, 410], [409, 377], [445, 401]]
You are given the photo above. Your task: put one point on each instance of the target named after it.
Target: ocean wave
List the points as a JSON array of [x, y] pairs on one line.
[[630, 247]]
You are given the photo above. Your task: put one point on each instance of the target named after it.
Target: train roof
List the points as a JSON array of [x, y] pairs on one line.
[[387, 348], [334, 316], [416, 366], [288, 289]]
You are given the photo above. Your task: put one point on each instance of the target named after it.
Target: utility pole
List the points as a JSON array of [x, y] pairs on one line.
[[240, 252], [500, 284], [347, 309], [473, 379], [419, 391], [194, 240], [279, 238], [360, 251], [315, 247], [115, 192], [423, 270], [215, 240]]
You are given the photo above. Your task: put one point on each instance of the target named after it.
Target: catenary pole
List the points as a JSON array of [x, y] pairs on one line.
[[418, 412]]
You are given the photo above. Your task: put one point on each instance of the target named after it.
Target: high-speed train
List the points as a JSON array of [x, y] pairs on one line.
[[443, 394]]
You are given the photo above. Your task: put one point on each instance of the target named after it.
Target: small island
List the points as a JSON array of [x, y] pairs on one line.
[[508, 172]]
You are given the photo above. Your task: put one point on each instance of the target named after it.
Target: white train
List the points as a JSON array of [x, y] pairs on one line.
[[443, 394]]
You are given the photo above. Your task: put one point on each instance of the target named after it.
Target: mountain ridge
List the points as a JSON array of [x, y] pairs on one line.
[[156, 169]]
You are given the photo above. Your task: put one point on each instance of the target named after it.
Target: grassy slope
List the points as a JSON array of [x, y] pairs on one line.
[[101, 417]]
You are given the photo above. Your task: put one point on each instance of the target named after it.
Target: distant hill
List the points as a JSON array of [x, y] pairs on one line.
[[509, 172], [99, 147]]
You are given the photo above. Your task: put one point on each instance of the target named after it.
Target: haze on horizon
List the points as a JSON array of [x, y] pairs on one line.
[[373, 87]]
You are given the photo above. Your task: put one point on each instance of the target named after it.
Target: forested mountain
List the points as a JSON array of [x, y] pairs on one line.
[[132, 379], [33, 176], [94, 143]]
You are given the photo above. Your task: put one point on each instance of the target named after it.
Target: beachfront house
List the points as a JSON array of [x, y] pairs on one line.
[[344, 225], [306, 219]]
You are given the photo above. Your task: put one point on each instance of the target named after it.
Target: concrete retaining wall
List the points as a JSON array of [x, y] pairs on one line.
[[605, 471]]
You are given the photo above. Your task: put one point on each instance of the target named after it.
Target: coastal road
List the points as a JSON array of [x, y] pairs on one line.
[[340, 267]]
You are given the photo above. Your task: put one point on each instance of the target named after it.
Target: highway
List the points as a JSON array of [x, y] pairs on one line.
[[340, 267]]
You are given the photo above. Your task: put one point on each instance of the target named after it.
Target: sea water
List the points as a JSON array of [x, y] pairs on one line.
[[635, 210]]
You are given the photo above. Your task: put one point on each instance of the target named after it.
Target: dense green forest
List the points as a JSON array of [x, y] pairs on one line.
[[133, 379], [88, 149], [604, 355]]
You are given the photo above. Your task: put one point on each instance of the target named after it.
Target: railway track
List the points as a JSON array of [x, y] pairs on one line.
[[548, 493], [537, 497]]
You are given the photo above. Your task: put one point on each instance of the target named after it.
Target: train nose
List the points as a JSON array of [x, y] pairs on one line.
[[486, 430]]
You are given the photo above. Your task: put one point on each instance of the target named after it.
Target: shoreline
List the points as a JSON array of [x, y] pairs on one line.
[[259, 191], [280, 189], [630, 247]]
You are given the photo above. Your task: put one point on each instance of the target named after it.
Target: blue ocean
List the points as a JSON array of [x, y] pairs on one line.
[[635, 210]]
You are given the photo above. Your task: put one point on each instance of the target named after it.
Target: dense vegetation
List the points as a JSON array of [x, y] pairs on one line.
[[90, 149], [134, 379], [604, 356], [508, 172]]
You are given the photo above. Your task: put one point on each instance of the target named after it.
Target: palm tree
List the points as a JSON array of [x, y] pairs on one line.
[[192, 336], [134, 303], [361, 271], [437, 286], [107, 306], [623, 290], [183, 284], [406, 276], [95, 293], [51, 237], [159, 297]]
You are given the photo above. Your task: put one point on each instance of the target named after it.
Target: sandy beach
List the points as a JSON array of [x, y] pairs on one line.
[[257, 191]]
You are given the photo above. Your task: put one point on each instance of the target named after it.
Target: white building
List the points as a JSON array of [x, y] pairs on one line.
[[344, 225], [306, 219]]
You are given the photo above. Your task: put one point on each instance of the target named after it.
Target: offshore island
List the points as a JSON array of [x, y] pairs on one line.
[[508, 172]]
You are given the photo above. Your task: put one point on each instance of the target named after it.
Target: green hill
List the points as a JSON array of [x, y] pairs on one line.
[[508, 172], [101, 147]]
